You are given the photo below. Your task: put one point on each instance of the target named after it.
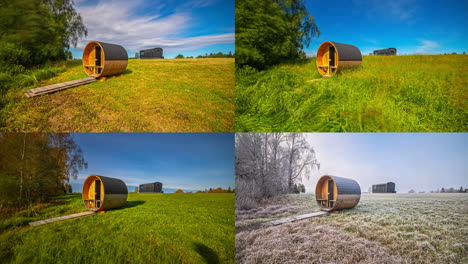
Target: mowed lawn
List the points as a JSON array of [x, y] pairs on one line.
[[417, 93], [383, 228], [151, 228], [169, 95]]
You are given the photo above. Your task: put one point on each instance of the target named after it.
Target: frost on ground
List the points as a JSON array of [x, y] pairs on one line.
[[386, 228], [274, 208], [308, 242]]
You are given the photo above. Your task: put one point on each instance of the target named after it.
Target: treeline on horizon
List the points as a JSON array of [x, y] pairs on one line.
[[36, 166], [35, 36], [443, 190], [211, 55], [211, 190]]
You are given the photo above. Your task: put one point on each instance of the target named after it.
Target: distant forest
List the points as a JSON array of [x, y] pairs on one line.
[[210, 190], [211, 55], [444, 190]]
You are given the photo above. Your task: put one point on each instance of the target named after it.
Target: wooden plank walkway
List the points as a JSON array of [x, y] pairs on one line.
[[59, 86], [297, 218], [50, 220]]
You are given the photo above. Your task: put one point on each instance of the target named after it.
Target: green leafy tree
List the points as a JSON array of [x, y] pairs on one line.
[[137, 55], [180, 56], [35, 166], [268, 32], [35, 31]]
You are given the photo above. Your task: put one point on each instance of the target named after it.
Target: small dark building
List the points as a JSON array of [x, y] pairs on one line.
[[389, 51], [154, 187], [388, 187], [156, 53]]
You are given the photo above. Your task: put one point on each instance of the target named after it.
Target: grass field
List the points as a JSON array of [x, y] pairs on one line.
[[170, 95], [151, 228], [418, 93], [386, 228]]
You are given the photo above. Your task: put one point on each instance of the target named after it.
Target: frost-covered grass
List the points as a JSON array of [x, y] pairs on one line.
[[387, 228]]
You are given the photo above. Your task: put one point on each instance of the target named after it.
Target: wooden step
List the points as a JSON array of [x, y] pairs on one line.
[[59, 86], [50, 220]]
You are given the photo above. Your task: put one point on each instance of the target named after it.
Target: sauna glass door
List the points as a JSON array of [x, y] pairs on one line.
[[97, 194], [98, 56], [331, 194], [332, 56]]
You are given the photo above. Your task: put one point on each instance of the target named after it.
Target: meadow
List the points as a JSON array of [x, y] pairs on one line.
[[383, 228], [416, 93], [150, 228], [170, 95]]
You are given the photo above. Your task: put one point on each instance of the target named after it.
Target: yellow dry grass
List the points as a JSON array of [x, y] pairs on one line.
[[170, 95]]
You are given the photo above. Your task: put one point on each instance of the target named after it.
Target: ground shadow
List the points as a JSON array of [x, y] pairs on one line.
[[127, 71], [210, 256], [133, 204]]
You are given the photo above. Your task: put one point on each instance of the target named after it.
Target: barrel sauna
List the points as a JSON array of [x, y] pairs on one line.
[[101, 193], [337, 193], [332, 56], [103, 59]]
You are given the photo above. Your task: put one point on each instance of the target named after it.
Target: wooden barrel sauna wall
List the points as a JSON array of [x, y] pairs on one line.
[[101, 193], [332, 56], [336, 193], [103, 59]]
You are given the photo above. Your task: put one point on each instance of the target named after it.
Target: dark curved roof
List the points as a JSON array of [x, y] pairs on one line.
[[114, 51], [113, 185], [346, 186], [347, 52]]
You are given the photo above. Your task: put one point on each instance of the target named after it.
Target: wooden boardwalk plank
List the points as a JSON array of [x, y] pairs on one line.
[[297, 218], [60, 218], [59, 86]]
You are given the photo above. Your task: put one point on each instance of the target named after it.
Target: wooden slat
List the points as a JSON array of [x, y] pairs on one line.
[[297, 218], [58, 86], [50, 220]]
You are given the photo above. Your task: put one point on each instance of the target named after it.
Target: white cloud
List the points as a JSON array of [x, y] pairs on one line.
[[117, 22], [427, 47]]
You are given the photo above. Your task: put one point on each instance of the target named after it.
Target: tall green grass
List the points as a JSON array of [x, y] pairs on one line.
[[419, 93], [151, 228]]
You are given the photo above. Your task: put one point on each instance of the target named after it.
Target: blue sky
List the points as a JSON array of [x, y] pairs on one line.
[[419, 161], [188, 27], [411, 26], [189, 161]]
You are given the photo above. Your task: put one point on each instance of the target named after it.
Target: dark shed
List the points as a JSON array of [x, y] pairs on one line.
[[101, 193], [156, 53], [388, 187], [336, 193], [389, 51], [104, 59], [332, 56], [154, 187]]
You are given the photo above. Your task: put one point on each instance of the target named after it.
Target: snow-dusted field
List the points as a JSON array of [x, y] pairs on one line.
[[383, 228]]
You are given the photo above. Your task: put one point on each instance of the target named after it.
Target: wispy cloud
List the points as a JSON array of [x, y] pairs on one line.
[[119, 22], [427, 47], [395, 10]]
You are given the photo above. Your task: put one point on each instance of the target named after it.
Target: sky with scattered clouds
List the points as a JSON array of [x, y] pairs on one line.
[[419, 161], [411, 26], [188, 27], [188, 161]]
